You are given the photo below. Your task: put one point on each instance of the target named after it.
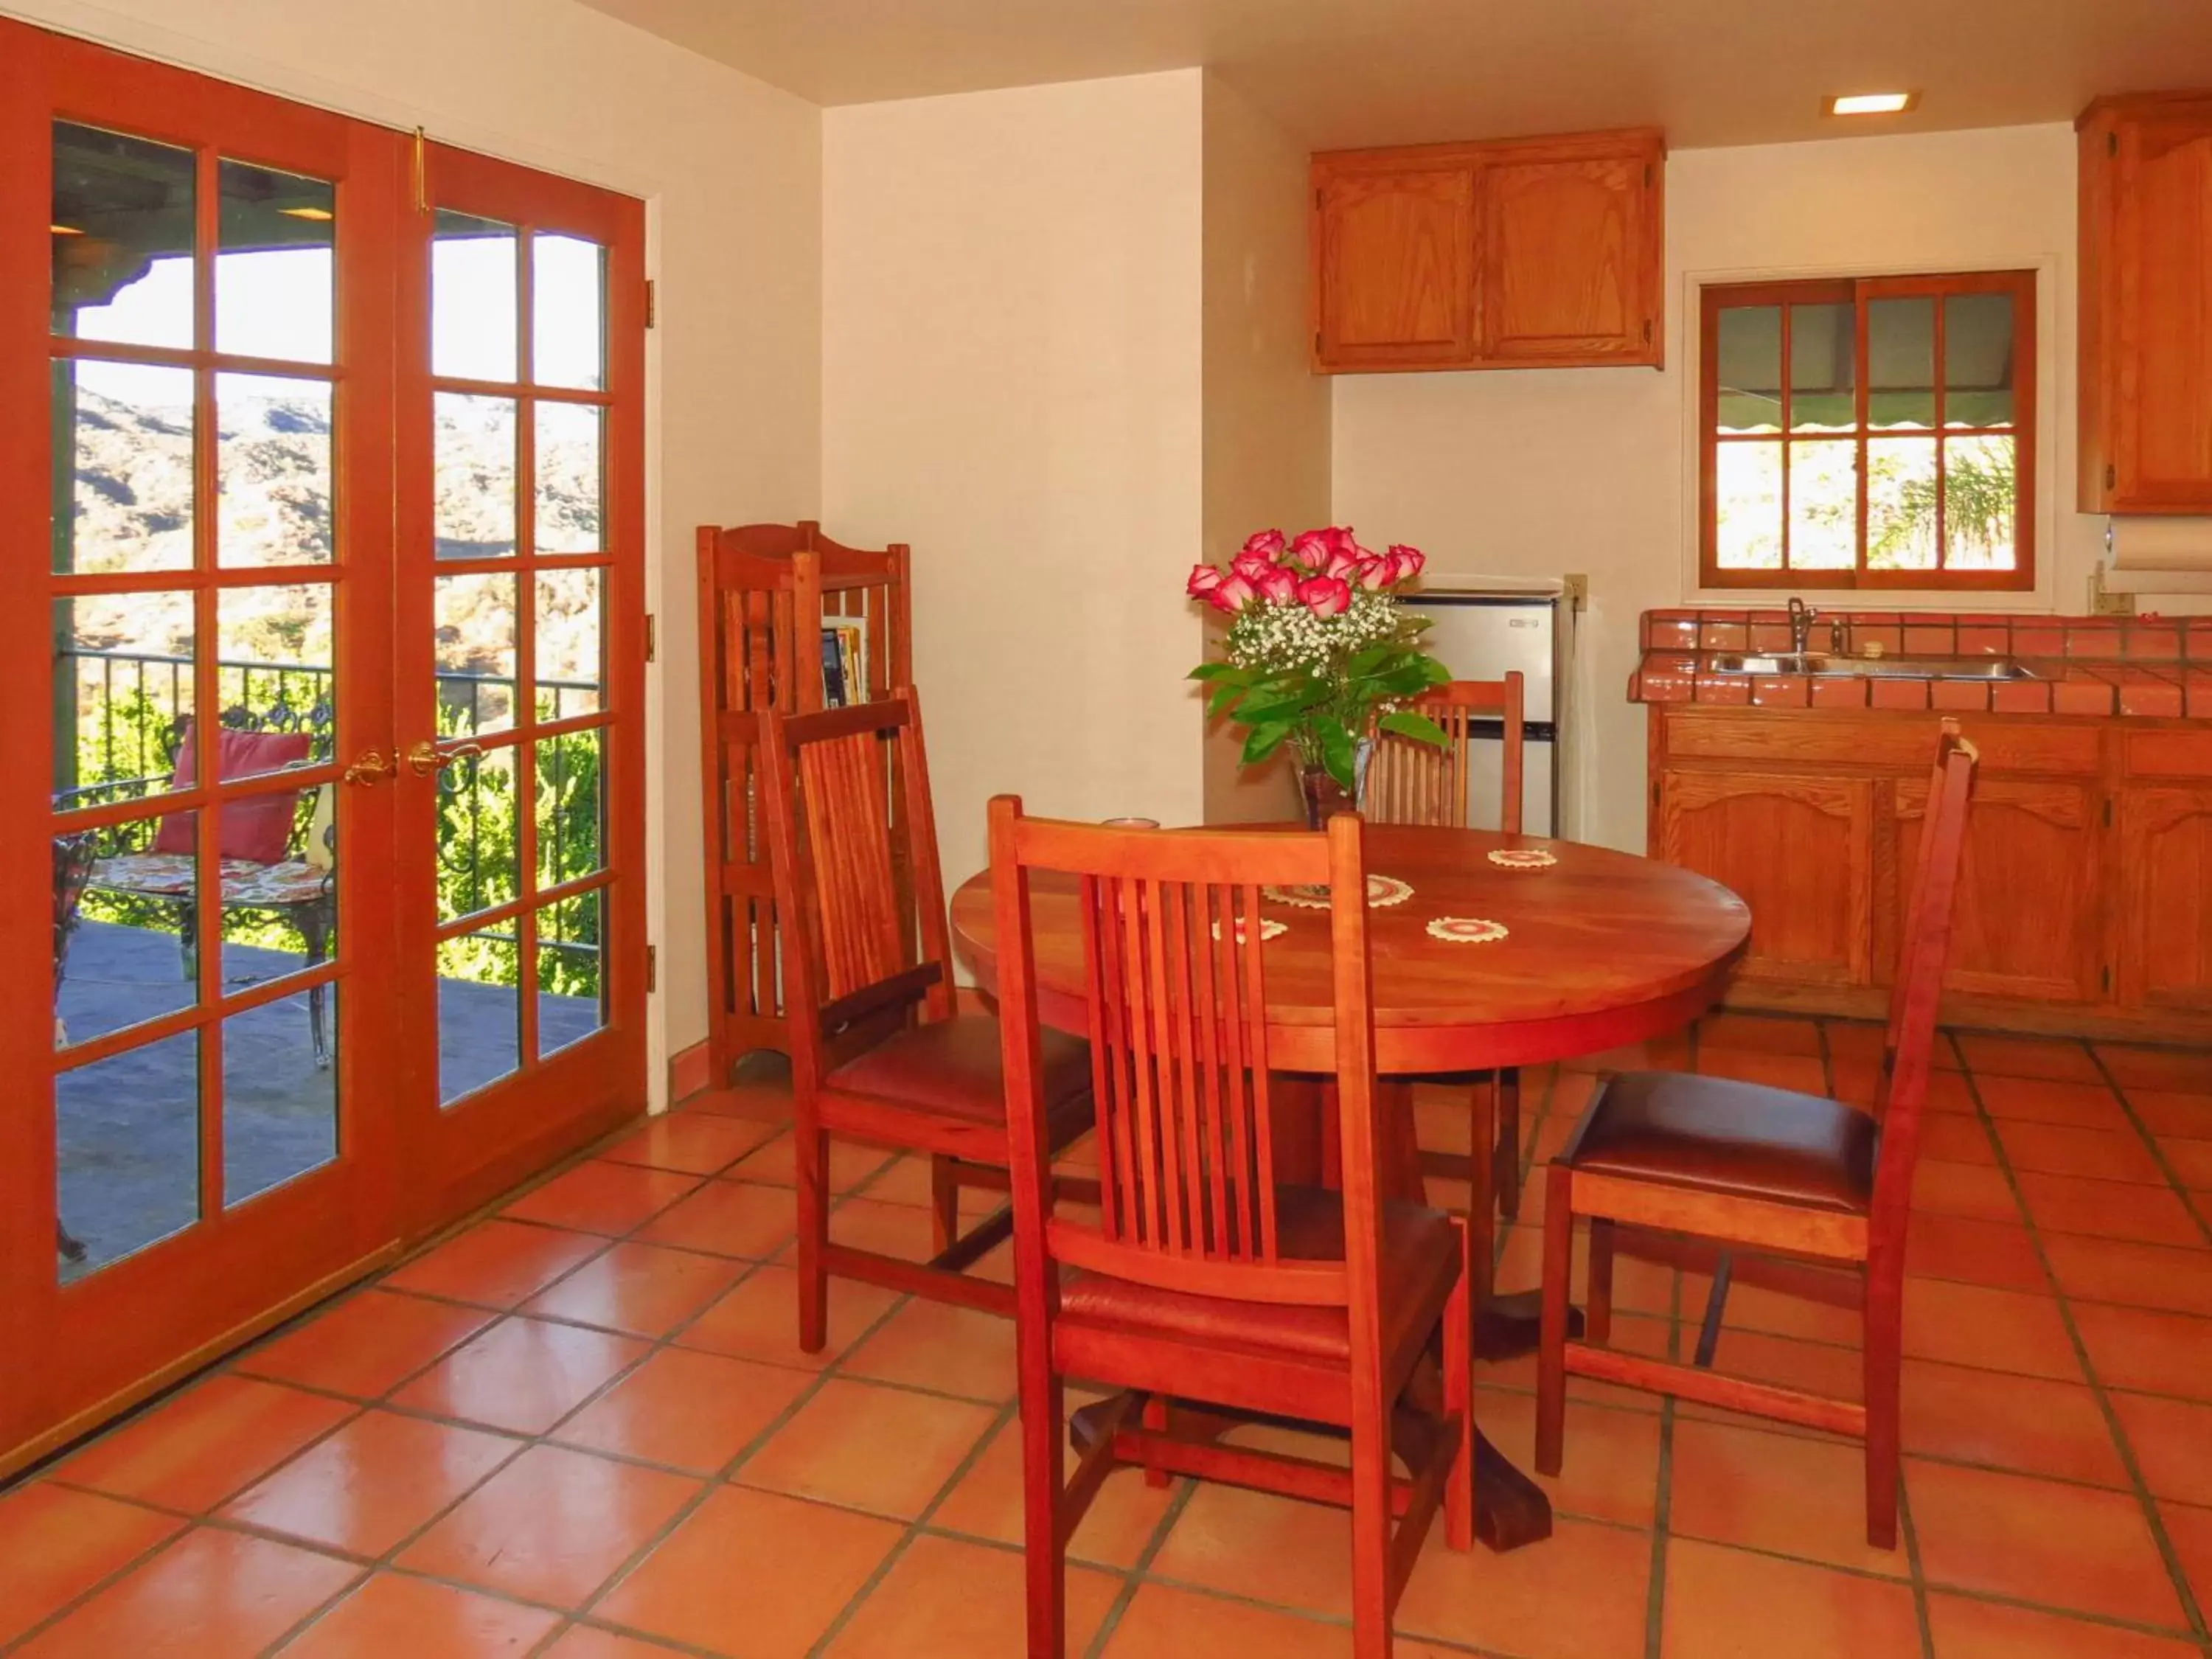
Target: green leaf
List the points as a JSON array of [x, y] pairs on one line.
[[1220, 670], [1263, 741], [1339, 751], [1419, 727], [1222, 698]]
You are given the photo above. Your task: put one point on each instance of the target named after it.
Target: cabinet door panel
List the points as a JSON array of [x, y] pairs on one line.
[[1397, 268], [2166, 898], [2028, 918], [1564, 261], [2164, 272], [1798, 850]]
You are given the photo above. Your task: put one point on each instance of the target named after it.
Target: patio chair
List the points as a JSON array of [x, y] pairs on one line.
[[73, 862], [264, 865]]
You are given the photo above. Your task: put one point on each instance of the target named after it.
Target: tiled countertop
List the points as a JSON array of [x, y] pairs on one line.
[[2150, 667]]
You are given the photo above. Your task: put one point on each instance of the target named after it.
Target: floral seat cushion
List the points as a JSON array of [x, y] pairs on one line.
[[245, 882]]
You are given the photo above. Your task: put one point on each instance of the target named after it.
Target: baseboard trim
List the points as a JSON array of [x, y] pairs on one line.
[[690, 1071]]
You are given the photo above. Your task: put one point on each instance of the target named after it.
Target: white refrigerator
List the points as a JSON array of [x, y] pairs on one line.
[[1480, 629]]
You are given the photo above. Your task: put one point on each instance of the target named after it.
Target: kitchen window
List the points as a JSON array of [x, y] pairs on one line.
[[1869, 433]]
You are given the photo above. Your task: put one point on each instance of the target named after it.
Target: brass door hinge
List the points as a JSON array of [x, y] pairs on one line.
[[2112, 478], [652, 638], [652, 303], [652, 969], [1647, 331]]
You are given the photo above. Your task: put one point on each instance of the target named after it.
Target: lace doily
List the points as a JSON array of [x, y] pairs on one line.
[[1268, 929], [1522, 858], [1382, 891], [1466, 930]]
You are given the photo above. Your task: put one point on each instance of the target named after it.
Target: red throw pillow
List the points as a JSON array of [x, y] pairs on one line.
[[257, 829]]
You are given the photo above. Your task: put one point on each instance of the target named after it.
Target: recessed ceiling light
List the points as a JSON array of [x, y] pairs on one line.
[[319, 215], [65, 230], [1869, 103]]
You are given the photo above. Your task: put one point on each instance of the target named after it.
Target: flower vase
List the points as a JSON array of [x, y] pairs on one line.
[[1324, 797]]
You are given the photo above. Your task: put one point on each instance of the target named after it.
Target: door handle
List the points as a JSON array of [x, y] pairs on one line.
[[425, 757], [371, 768]]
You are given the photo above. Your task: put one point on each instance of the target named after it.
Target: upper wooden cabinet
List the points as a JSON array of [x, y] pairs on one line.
[[2146, 333], [1528, 253]]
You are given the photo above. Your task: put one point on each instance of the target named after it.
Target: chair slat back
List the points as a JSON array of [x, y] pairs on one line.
[[1921, 961], [846, 793], [1412, 782], [1175, 984]]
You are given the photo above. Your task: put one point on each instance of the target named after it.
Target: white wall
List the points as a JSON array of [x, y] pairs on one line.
[[1543, 472], [731, 170], [1012, 382], [1266, 419]]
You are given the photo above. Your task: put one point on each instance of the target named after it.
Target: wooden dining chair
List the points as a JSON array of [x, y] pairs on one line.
[[1417, 783], [1202, 1278], [879, 1052], [1702, 1168]]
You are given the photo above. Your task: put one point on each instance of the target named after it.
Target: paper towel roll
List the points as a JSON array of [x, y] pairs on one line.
[[2160, 543]]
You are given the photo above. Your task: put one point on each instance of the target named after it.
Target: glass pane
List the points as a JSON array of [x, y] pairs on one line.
[[122, 693], [1980, 499], [571, 670], [279, 886], [128, 431], [475, 631], [1978, 367], [121, 918], [473, 327], [1901, 362], [571, 806], [273, 264], [570, 481], [273, 471], [479, 1011], [567, 306], [1750, 369], [279, 696], [1824, 506], [1748, 505], [1823, 368], [571, 992], [1901, 503], [479, 839], [280, 1092], [121, 220], [476, 476], [127, 1146]]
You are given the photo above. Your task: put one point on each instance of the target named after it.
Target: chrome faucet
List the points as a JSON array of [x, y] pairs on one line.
[[1801, 618]]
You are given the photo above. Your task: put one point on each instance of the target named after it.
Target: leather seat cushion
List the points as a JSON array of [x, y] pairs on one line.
[[1421, 1263], [1715, 1134], [951, 1066]]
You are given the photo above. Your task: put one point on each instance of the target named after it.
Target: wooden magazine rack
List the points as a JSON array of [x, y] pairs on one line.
[[767, 594]]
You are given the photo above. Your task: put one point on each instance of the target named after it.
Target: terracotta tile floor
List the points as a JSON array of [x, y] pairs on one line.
[[580, 1429]]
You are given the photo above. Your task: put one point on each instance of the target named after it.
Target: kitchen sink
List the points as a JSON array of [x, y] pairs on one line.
[[1917, 668]]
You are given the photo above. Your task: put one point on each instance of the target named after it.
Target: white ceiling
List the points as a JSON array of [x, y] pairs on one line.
[[1346, 72]]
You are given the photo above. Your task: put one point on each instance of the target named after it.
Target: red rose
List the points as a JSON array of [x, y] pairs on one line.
[[1278, 585], [1311, 548], [1325, 596], [1341, 562], [1204, 579], [1232, 595], [1265, 543], [1406, 562], [1252, 567], [1372, 573]]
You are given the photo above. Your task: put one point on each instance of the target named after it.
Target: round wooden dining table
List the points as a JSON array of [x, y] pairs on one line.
[[1601, 948]]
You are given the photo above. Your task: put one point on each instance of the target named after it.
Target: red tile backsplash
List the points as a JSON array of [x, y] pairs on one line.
[[2087, 665]]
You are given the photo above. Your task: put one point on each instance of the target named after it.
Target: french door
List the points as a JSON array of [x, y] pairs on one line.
[[319, 815]]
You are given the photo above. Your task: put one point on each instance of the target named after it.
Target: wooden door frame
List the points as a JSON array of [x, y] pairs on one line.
[[132, 1323], [501, 1134]]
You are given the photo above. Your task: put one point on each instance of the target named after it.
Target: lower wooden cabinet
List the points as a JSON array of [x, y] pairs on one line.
[[1811, 912], [2085, 904], [2166, 886]]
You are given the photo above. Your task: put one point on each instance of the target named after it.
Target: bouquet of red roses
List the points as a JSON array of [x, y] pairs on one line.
[[1319, 653]]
